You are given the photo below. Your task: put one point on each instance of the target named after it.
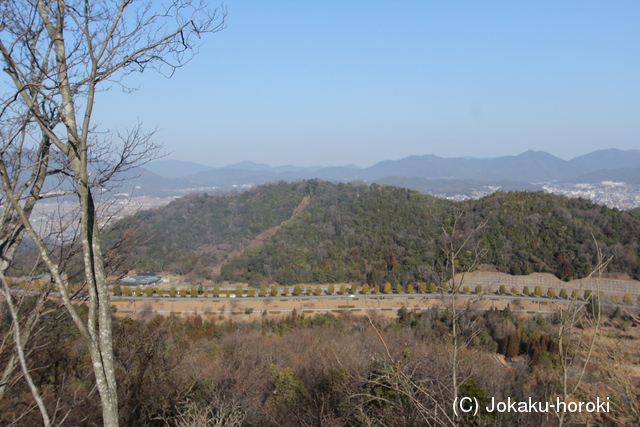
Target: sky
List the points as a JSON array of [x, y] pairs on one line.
[[357, 82]]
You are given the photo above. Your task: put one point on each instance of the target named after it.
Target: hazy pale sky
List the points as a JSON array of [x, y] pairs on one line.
[[337, 82]]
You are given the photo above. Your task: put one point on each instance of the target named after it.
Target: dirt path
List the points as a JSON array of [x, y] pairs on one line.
[[262, 237]]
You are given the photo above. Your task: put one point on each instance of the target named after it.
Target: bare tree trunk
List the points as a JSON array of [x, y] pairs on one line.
[[19, 348], [569, 318], [57, 53], [11, 234], [452, 249]]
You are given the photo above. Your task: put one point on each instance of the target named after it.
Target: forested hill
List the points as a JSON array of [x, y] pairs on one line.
[[375, 234]]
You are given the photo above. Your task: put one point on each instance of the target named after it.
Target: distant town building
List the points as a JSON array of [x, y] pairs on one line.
[[140, 279]]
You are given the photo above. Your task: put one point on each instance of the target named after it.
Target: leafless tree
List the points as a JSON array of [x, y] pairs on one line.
[[57, 57], [458, 259], [577, 349], [24, 166]]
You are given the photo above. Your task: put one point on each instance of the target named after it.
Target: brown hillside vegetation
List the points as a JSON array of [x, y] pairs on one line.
[[331, 369]]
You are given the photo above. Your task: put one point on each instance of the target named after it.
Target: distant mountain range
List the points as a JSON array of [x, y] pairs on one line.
[[426, 173]]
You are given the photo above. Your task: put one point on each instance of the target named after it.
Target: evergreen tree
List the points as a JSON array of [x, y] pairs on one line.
[[511, 345]]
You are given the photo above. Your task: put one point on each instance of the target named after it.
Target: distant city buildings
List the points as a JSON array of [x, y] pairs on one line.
[[613, 194], [609, 193]]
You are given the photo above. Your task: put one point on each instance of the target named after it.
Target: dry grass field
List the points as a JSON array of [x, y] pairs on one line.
[[247, 309]]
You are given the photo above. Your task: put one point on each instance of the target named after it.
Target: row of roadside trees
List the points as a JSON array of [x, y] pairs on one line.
[[353, 289]]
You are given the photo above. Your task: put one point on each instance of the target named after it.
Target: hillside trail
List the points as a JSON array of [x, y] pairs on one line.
[[264, 236]]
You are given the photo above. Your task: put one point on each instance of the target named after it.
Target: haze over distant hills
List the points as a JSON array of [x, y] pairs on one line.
[[427, 173]]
